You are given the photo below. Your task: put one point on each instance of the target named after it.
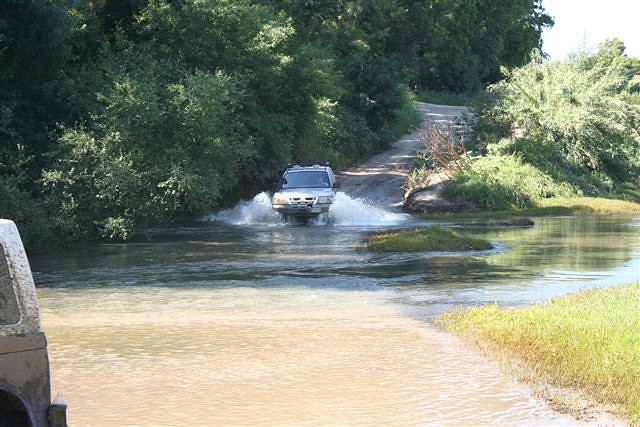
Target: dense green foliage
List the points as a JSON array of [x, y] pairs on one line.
[[440, 97], [557, 128], [423, 239], [502, 182], [461, 45], [588, 340], [118, 114], [31, 56]]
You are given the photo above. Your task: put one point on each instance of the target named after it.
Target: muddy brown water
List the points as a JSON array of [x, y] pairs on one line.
[[263, 323]]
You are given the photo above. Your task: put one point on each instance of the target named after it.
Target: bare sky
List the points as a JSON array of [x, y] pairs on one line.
[[583, 24]]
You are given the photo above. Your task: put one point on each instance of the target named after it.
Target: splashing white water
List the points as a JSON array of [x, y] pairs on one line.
[[250, 212], [346, 211]]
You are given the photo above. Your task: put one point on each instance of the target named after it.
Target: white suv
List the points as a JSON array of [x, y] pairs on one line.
[[305, 191]]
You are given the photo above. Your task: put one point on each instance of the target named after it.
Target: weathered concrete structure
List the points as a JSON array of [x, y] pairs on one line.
[[25, 396]]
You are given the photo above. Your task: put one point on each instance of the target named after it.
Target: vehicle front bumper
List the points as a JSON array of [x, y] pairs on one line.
[[302, 209]]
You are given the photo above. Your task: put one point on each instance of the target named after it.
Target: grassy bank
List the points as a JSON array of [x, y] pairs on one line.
[[587, 206], [423, 239], [589, 340], [544, 207]]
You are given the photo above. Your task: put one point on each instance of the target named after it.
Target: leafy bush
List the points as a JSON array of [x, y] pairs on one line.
[[502, 182], [404, 117], [159, 149], [448, 98], [577, 120], [28, 213]]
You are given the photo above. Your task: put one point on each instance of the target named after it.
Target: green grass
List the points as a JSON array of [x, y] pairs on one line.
[[515, 221], [628, 191], [588, 205], [546, 207], [499, 182], [423, 239], [589, 340]]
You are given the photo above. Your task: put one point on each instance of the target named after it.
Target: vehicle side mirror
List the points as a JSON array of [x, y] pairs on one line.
[[336, 184]]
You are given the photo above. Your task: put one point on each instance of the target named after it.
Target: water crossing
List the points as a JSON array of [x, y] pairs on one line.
[[241, 319], [346, 211]]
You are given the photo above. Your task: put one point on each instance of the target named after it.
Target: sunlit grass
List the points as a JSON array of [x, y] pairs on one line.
[[589, 340], [589, 205], [417, 239], [550, 207]]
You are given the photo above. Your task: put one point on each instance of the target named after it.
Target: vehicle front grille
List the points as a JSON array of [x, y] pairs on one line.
[[307, 201]]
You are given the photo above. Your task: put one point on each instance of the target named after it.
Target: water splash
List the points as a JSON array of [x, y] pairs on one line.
[[256, 211], [346, 212]]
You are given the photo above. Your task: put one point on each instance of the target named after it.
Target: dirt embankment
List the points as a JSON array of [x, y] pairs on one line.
[[381, 179]]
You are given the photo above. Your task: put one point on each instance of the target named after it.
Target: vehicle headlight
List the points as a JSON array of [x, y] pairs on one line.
[[279, 200], [325, 199]]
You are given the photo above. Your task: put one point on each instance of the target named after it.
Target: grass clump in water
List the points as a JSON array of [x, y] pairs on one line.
[[423, 239], [589, 340]]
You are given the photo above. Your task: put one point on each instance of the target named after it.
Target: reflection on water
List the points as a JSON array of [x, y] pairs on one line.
[[214, 324], [555, 257]]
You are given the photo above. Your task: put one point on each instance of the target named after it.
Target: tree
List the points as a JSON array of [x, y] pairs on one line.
[[33, 50]]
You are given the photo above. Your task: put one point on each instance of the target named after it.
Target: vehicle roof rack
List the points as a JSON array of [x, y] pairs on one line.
[[307, 165]]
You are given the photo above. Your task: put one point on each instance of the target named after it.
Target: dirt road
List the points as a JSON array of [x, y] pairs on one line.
[[381, 178]]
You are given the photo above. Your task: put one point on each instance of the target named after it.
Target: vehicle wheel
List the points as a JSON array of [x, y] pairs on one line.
[[12, 411]]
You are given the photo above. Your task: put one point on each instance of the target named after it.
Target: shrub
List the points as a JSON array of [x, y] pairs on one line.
[[502, 182], [28, 213], [159, 149], [576, 120]]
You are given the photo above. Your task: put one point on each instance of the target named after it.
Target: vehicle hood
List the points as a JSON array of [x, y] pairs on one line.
[[306, 192]]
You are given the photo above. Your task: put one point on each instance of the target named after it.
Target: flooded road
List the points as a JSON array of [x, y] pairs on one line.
[[240, 319]]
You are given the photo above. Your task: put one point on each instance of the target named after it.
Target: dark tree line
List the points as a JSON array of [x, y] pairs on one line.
[[117, 114]]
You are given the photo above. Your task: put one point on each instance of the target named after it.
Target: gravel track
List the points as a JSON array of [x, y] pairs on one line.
[[380, 179]]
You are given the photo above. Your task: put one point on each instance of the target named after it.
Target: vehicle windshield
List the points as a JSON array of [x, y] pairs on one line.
[[306, 179]]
